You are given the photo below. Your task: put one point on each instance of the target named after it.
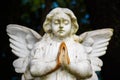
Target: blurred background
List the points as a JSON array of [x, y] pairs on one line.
[[91, 15]]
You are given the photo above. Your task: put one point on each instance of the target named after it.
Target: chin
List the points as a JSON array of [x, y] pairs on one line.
[[62, 36]]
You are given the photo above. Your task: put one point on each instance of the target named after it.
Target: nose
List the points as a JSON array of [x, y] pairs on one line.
[[61, 25]]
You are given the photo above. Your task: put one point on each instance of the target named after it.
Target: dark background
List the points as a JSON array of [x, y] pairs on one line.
[[102, 14]]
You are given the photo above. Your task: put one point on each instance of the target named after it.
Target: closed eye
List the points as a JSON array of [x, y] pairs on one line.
[[56, 22], [66, 22]]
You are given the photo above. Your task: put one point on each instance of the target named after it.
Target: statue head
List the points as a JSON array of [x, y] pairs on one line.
[[62, 16]]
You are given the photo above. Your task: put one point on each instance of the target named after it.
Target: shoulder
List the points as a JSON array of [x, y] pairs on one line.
[[75, 46], [43, 42], [78, 45]]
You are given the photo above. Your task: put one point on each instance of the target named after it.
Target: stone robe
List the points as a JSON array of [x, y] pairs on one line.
[[44, 56]]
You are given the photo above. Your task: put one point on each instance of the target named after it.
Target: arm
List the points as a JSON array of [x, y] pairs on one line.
[[41, 65], [81, 69], [41, 68]]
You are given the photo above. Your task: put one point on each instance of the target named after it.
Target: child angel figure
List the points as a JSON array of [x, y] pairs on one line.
[[60, 54]]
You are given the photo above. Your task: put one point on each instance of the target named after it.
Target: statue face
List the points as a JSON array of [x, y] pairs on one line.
[[61, 25]]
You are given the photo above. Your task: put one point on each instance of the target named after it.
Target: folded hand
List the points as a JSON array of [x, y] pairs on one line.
[[63, 57]]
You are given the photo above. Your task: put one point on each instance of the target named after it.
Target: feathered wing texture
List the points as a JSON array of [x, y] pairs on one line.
[[96, 43], [21, 40]]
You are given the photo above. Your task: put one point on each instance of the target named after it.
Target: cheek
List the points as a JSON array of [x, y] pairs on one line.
[[68, 28], [54, 29]]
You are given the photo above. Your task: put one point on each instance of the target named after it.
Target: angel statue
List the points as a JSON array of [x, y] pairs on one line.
[[59, 54]]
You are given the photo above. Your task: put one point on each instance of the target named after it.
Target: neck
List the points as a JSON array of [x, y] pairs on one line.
[[60, 39]]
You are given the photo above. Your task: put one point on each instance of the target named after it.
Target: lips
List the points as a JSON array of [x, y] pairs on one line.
[[60, 31]]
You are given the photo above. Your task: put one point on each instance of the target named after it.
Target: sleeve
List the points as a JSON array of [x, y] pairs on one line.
[[41, 65], [81, 67]]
